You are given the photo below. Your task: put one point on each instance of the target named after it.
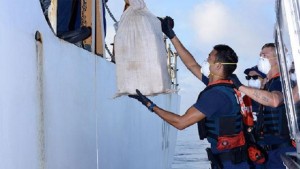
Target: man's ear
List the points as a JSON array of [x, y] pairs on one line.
[[219, 66]]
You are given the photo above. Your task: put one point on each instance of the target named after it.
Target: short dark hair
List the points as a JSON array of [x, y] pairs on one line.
[[267, 45], [226, 54]]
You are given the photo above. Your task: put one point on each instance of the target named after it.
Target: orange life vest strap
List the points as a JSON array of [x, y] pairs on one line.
[[238, 94], [248, 118], [275, 76]]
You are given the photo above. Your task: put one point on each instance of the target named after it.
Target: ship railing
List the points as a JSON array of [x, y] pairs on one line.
[[287, 38]]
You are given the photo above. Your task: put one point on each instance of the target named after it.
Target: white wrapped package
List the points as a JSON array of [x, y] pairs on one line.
[[140, 53]]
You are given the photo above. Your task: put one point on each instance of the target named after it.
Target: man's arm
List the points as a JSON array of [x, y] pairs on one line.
[[272, 99], [187, 58], [167, 27], [191, 117]]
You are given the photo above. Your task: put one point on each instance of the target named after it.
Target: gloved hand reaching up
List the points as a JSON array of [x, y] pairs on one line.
[[143, 99], [167, 25], [235, 80]]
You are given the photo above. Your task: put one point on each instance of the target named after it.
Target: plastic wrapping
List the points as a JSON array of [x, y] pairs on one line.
[[140, 53]]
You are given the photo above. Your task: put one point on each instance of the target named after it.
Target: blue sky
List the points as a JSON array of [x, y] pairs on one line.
[[245, 25]]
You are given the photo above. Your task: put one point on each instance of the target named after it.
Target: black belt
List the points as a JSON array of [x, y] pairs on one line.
[[236, 155], [276, 146]]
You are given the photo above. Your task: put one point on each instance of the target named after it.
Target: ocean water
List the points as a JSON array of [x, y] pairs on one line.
[[190, 151]]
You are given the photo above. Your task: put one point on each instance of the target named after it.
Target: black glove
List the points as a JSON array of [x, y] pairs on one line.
[[235, 80], [143, 99], [167, 25]]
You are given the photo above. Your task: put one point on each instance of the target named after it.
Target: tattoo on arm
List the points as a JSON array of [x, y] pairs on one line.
[[265, 99], [258, 96]]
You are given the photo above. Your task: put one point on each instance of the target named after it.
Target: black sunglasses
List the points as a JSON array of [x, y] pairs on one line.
[[292, 70], [251, 77]]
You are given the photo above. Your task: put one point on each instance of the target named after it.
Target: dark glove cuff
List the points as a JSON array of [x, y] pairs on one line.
[[151, 107], [171, 34]]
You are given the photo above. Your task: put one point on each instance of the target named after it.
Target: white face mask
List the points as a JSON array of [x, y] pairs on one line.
[[293, 77], [289, 62], [205, 68], [264, 65], [254, 83]]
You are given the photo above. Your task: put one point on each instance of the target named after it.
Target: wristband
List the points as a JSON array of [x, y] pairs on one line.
[[151, 107]]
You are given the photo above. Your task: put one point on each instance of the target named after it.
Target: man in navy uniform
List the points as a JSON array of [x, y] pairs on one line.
[[216, 110], [272, 127]]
